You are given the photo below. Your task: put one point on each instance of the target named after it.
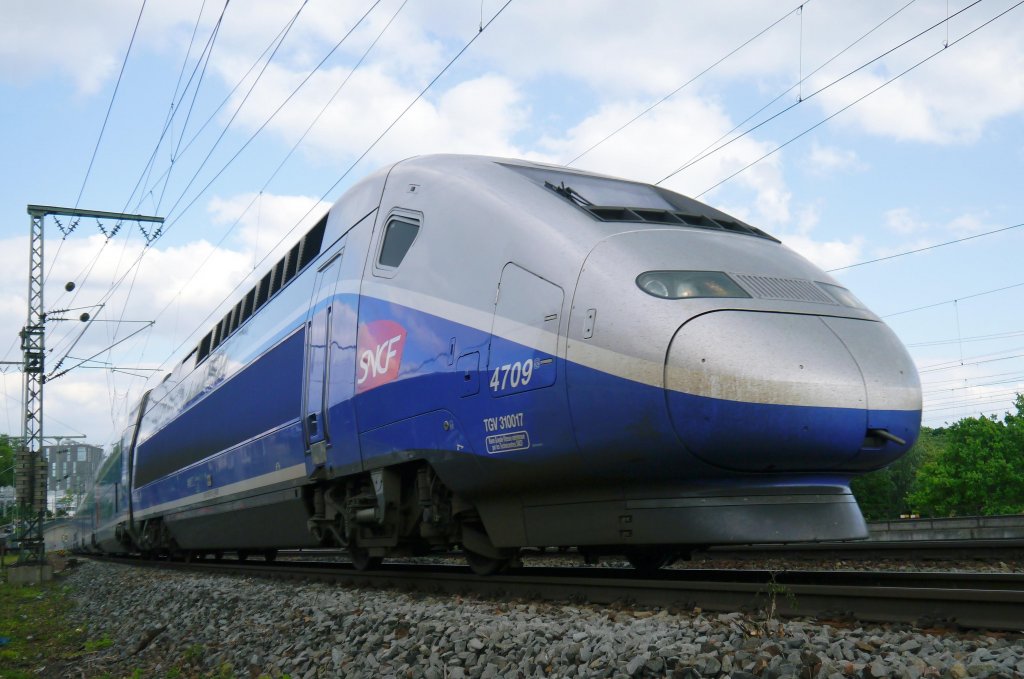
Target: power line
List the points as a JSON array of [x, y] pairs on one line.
[[943, 367], [1019, 379], [373, 145], [926, 248], [282, 35], [965, 340], [973, 405], [260, 129], [859, 99], [686, 84], [701, 154], [819, 91], [280, 165], [86, 272], [978, 377], [103, 127], [951, 301], [245, 98], [110, 107]]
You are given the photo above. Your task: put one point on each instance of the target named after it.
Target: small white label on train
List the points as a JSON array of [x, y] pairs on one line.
[[504, 443], [503, 422]]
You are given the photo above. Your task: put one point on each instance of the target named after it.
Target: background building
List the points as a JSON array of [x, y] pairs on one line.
[[72, 466]]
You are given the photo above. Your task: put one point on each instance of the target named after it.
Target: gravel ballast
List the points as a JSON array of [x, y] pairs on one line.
[[181, 624]]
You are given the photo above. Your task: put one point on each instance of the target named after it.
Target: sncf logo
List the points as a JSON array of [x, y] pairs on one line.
[[380, 354]]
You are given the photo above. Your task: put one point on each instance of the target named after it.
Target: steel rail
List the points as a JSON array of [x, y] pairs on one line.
[[957, 600], [940, 550]]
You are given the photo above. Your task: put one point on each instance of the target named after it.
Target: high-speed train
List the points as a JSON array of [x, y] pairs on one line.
[[499, 354]]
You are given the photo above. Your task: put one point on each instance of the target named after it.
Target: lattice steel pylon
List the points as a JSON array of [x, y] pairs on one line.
[[30, 467]]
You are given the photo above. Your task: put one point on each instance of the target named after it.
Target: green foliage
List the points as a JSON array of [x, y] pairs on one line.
[[93, 645], [979, 470], [34, 621], [6, 461], [882, 495]]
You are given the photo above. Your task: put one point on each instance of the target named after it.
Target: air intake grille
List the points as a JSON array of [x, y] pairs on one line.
[[767, 287]]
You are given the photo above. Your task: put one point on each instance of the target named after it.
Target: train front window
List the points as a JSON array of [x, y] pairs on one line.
[[598, 190]]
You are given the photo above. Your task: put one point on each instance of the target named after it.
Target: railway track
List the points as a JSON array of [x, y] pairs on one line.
[[938, 550], [957, 600]]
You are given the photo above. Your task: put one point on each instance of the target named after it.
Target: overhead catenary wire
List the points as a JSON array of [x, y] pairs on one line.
[[686, 84], [248, 93], [713, 146], [103, 127], [855, 101], [280, 107], [282, 35], [953, 301], [204, 59], [927, 247], [171, 109], [348, 171], [170, 223], [206, 53], [86, 272], [258, 196]]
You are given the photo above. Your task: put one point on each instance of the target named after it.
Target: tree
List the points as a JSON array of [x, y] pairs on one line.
[[883, 494], [6, 461], [979, 471]]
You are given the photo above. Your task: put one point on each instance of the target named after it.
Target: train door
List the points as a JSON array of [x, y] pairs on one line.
[[524, 333], [525, 414], [318, 339]]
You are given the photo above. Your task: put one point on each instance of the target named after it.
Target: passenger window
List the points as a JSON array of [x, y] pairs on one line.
[[398, 238]]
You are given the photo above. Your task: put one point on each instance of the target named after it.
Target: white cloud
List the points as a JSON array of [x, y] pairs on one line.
[[666, 139], [902, 221], [828, 255], [949, 99], [259, 222], [86, 41], [176, 285], [829, 159], [968, 224]]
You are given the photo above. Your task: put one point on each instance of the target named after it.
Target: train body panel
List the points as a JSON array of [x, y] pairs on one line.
[[503, 354]]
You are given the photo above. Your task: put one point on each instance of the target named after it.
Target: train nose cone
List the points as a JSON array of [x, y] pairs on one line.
[[761, 391]]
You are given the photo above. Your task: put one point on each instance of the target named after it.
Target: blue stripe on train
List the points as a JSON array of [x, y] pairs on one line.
[[618, 422]]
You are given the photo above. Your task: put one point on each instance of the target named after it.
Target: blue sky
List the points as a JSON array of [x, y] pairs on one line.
[[933, 156]]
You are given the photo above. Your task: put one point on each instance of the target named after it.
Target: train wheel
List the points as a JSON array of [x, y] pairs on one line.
[[242, 555], [270, 555], [486, 565], [361, 559], [649, 562]]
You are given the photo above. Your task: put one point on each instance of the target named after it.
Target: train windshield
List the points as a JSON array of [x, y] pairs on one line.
[[598, 190]]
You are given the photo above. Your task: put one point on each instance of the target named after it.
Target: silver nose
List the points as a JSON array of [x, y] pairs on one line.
[[763, 391]]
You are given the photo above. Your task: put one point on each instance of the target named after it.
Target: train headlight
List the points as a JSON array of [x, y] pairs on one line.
[[682, 284], [842, 295]]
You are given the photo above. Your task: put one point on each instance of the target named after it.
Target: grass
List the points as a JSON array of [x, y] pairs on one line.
[[34, 630]]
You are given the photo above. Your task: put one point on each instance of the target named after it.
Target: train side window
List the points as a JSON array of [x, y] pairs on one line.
[[398, 238], [204, 348]]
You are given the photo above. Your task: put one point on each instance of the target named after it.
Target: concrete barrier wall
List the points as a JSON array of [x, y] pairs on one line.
[[957, 528]]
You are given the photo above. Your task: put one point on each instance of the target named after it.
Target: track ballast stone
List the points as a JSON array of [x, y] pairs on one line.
[[186, 624]]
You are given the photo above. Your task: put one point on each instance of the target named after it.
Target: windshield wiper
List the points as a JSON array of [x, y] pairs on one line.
[[568, 192]]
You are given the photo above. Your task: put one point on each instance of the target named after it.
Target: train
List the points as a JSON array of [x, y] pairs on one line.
[[493, 355]]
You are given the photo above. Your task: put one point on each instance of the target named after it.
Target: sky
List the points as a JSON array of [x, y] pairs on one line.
[[851, 131]]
